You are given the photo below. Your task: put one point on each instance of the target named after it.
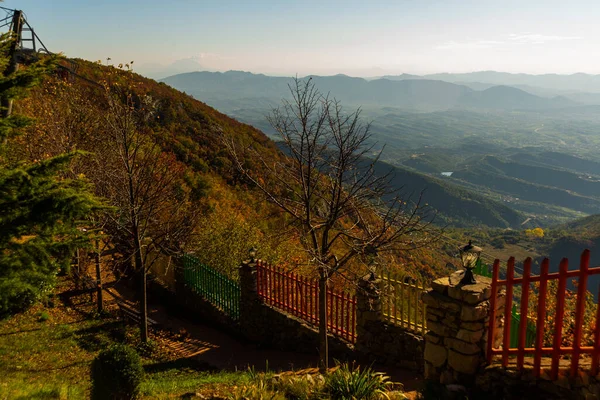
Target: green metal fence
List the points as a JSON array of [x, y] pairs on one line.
[[484, 270], [212, 286], [514, 330]]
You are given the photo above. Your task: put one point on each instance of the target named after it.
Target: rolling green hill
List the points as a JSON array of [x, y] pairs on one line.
[[456, 206], [569, 241], [510, 98]]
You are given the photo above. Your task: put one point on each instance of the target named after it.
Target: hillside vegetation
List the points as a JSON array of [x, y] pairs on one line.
[[234, 216], [71, 114]]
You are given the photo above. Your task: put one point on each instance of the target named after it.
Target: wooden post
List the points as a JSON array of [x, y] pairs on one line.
[[580, 310], [560, 314], [596, 351], [541, 317], [523, 317], [323, 345], [353, 323], [492, 329], [98, 279], [510, 275]]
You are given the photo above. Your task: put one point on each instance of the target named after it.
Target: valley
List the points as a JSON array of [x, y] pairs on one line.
[[523, 158]]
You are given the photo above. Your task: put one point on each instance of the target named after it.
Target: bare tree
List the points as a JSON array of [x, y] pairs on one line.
[[153, 215], [330, 186]]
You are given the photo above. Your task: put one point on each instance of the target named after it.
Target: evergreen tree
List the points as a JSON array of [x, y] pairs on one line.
[[40, 207]]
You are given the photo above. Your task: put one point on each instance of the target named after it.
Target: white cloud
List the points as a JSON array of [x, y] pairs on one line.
[[211, 56], [536, 38], [510, 39], [475, 44]]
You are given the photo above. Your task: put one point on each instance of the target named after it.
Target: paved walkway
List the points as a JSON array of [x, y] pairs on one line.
[[221, 350]]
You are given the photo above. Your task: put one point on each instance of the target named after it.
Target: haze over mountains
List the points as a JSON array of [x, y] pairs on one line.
[[507, 148], [420, 93], [566, 83]]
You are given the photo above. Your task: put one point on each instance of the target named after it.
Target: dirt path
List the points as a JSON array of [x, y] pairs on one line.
[[221, 350]]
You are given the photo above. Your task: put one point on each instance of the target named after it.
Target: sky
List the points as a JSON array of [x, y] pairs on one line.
[[358, 38]]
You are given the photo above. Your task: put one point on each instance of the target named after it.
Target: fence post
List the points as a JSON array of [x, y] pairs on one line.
[[369, 314], [181, 291], [457, 323], [249, 300]]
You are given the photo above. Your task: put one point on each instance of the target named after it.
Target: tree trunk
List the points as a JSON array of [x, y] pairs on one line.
[[144, 309], [98, 280], [141, 269], [323, 345]]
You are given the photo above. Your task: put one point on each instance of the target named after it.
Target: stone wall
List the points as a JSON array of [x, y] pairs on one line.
[[272, 328], [380, 341], [377, 340], [186, 302], [457, 320], [496, 382]]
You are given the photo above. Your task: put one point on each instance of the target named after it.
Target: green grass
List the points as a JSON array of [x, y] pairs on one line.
[[175, 382], [50, 358], [43, 359]]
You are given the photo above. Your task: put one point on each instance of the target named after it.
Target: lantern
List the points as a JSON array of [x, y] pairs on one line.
[[469, 256], [252, 253]]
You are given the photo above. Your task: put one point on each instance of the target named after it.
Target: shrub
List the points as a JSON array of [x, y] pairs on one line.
[[304, 387], [150, 349], [350, 382], [43, 316], [257, 389], [117, 373], [498, 243]]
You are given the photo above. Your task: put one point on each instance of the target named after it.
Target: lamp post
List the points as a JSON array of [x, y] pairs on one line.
[[372, 253], [252, 254], [469, 256]]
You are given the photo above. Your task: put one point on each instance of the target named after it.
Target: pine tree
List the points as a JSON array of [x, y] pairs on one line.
[[40, 208]]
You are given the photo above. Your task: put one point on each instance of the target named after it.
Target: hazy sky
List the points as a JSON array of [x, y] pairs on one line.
[[363, 38]]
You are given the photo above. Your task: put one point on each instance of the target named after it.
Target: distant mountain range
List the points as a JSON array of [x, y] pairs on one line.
[[236, 89], [159, 71], [487, 153], [567, 83]]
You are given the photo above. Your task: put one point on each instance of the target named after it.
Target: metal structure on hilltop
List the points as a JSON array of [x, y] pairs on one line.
[[27, 43], [27, 46]]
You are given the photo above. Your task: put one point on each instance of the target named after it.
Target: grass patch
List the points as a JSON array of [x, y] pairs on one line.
[[175, 383], [42, 359], [46, 353], [51, 358]]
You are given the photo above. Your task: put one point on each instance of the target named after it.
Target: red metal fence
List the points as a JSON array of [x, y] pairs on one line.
[[299, 296], [557, 351]]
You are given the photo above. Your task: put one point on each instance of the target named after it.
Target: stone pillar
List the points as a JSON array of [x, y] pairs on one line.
[[457, 320], [368, 313], [181, 289], [248, 285], [250, 302]]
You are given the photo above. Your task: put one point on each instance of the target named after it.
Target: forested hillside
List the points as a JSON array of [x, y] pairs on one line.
[[75, 114], [233, 216]]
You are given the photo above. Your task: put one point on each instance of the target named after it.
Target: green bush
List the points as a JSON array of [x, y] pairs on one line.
[[306, 387], [43, 316], [117, 373], [498, 243], [350, 382]]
